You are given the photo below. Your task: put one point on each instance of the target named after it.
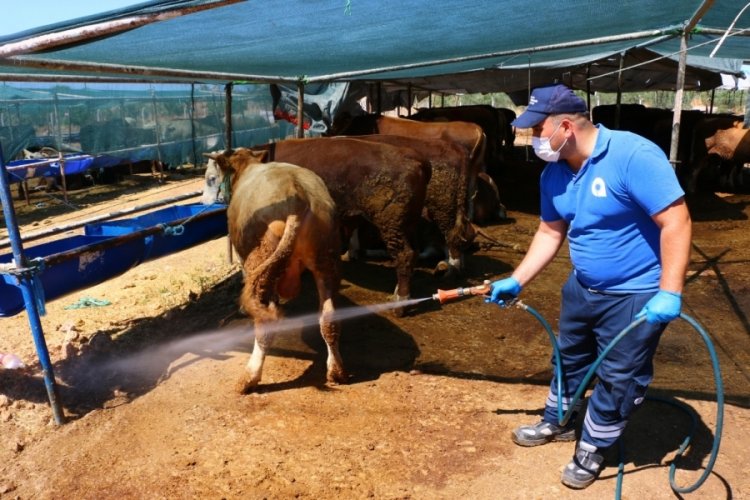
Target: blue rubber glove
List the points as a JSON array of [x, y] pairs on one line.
[[662, 308], [501, 290]]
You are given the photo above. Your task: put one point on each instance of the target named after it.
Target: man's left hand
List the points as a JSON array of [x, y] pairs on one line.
[[662, 308]]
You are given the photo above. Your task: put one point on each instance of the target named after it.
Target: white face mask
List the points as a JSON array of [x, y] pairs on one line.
[[543, 149]]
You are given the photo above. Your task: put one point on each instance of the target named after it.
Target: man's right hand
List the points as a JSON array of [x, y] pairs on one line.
[[503, 290]]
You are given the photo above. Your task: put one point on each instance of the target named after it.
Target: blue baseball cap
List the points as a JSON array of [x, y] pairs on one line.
[[549, 100]]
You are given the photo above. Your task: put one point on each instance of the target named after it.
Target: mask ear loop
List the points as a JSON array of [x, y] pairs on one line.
[[552, 135], [564, 142]]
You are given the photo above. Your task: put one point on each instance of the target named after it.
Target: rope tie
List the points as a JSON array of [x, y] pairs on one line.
[[177, 230]]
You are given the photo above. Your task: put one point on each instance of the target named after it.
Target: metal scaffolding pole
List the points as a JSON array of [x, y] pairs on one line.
[[680, 85], [26, 276]]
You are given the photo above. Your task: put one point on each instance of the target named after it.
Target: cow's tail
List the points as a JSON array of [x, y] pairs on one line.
[[260, 283], [476, 159], [479, 151], [494, 242]]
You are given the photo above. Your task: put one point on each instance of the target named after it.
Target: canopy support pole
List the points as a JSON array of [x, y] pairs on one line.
[[679, 91], [379, 102], [619, 91], [680, 85], [30, 298], [588, 88], [409, 97], [157, 134], [191, 110], [228, 147], [300, 110], [72, 36], [228, 115]]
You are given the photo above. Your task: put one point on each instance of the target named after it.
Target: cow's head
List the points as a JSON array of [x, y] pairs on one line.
[[222, 171], [217, 178]]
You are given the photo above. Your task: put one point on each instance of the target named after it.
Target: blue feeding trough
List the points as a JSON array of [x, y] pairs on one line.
[[20, 170], [108, 249], [45, 167], [86, 269], [184, 226]]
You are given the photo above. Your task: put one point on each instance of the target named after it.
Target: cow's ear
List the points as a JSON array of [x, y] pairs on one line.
[[259, 155], [223, 162], [211, 156]]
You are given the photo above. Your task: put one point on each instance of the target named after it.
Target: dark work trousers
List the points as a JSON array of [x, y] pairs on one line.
[[589, 321]]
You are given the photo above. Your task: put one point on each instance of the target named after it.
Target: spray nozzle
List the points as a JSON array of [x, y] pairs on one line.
[[444, 296]]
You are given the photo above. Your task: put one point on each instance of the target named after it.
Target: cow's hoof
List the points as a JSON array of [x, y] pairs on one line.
[[446, 272], [245, 385], [502, 213], [400, 311], [337, 377], [442, 268]]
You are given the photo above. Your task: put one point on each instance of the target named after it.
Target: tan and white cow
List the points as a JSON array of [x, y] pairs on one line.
[[282, 221], [384, 184]]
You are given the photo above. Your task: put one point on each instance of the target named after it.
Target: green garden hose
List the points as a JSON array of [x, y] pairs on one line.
[[563, 418]]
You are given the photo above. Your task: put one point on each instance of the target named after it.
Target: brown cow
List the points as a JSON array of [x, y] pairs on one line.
[[467, 135], [732, 145], [497, 128], [446, 202], [282, 221], [382, 183], [701, 171]]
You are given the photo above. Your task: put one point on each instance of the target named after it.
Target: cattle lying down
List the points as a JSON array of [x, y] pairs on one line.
[[382, 183], [282, 221], [447, 202]]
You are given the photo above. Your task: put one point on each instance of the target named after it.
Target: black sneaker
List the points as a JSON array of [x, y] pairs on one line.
[[584, 468], [543, 432]]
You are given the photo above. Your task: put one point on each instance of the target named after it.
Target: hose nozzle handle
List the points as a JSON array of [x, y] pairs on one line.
[[444, 296]]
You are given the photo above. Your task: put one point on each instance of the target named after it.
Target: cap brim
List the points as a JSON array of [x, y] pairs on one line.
[[528, 119]]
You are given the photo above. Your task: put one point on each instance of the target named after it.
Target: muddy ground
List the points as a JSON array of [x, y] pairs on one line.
[[146, 382]]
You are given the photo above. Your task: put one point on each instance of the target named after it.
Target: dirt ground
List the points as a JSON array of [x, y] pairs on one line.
[[146, 382]]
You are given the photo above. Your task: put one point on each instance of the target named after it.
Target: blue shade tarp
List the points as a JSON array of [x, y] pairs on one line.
[[336, 40]]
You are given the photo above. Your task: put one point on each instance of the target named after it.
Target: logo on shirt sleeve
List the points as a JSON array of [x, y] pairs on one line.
[[598, 188]]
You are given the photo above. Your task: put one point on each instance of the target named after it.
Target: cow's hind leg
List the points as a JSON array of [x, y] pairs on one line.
[[330, 330], [259, 300], [399, 246], [250, 378]]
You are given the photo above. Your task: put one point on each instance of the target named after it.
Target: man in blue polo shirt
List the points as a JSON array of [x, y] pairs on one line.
[[617, 199]]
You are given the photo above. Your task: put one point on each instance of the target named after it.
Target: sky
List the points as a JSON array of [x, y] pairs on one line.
[[27, 14]]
